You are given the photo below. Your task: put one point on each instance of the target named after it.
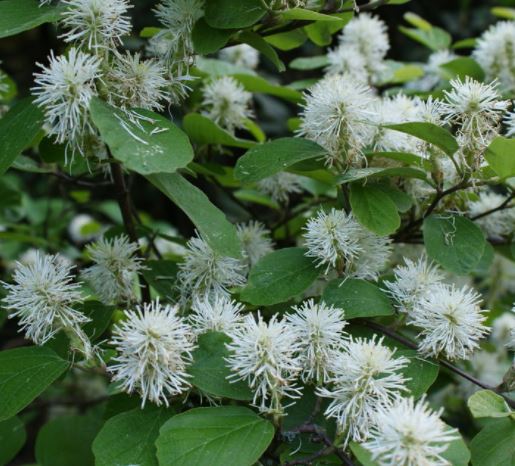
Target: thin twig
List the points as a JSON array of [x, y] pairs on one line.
[[412, 345], [504, 205]]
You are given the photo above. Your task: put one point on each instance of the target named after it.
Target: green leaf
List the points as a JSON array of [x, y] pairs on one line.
[[434, 38], [129, 438], [321, 32], [499, 156], [228, 14], [161, 275], [279, 276], [464, 66], [257, 42], [309, 63], [358, 298], [258, 84], [155, 146], [431, 133], [307, 15], [64, 441], [100, 316], [214, 437], [208, 40], [287, 40], [406, 73], [209, 220], [493, 446], [503, 12], [21, 15], [377, 172], [420, 372], [457, 452], [267, 159], [202, 130], [24, 374], [485, 403], [453, 241], [373, 209], [209, 371], [12, 439], [18, 128]]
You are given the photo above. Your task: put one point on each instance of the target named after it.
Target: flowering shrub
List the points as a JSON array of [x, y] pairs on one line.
[[212, 258]]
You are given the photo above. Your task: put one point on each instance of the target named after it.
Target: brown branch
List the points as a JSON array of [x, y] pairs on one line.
[[124, 202], [503, 206], [451, 367]]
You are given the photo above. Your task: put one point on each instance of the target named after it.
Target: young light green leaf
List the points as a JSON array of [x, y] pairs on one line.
[[21, 15], [434, 38], [373, 209], [67, 440], [18, 128], [209, 220], [358, 298], [431, 133], [228, 14], [309, 63], [257, 42], [214, 437], [209, 371], [258, 84], [301, 14], [493, 446], [154, 145], [202, 130], [453, 241], [12, 439], [486, 403], [499, 156], [267, 159], [24, 374], [129, 438], [279, 276]]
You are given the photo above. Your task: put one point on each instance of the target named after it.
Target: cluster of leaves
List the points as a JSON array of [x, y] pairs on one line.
[[80, 417]]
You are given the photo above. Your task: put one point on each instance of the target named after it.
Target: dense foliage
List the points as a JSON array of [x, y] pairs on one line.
[[246, 232]]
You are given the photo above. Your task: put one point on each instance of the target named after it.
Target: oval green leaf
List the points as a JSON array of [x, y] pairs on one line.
[[12, 439], [154, 145], [358, 298], [499, 156], [129, 438], [453, 241], [228, 14], [21, 15], [209, 371], [24, 374], [373, 209], [209, 220], [279, 276], [214, 437], [18, 128], [267, 159], [494, 445]]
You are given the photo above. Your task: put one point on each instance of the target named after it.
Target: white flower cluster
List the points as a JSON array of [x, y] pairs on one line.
[[44, 299], [204, 273], [227, 103], [93, 67], [280, 186], [450, 319], [363, 45], [495, 52], [241, 55], [154, 348], [495, 224], [337, 241], [115, 269]]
